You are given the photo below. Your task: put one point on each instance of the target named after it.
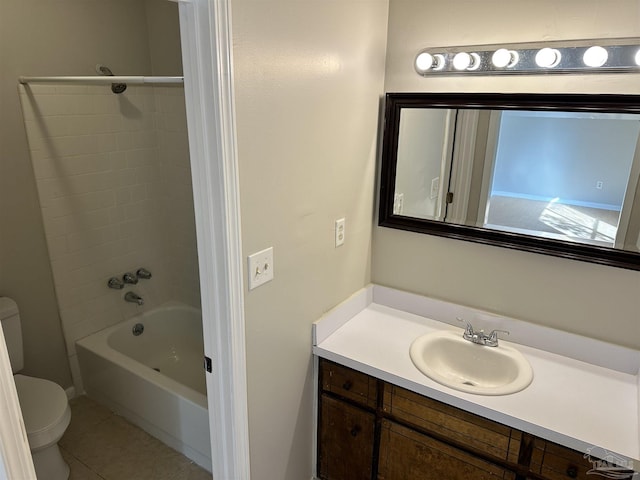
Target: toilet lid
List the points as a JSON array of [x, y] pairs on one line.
[[45, 409]]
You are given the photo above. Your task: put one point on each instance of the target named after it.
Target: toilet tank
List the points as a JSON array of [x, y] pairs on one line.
[[10, 319]]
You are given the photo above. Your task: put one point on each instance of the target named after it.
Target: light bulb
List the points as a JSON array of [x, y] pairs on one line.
[[461, 61], [502, 58], [595, 57], [466, 61], [424, 62], [548, 57], [637, 58]]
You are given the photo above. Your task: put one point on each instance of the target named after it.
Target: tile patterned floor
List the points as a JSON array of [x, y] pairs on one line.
[[100, 445]]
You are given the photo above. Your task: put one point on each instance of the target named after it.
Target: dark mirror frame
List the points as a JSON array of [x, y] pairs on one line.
[[395, 102]]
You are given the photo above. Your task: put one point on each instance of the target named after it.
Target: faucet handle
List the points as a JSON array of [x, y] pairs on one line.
[[130, 278], [115, 282], [468, 330], [493, 336], [143, 273], [495, 332]]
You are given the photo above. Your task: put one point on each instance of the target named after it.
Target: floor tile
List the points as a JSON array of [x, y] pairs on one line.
[[102, 445], [78, 470], [85, 415]]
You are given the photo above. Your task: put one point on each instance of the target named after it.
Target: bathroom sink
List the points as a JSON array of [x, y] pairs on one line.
[[457, 363]]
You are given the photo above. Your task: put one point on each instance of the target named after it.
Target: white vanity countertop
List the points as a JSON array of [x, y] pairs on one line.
[[579, 403]]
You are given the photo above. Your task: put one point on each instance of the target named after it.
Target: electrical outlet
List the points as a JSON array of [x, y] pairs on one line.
[[339, 232], [260, 266], [398, 203], [599, 184], [435, 187]]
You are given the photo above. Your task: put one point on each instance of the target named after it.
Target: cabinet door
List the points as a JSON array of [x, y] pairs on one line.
[[346, 438], [464, 428], [555, 462], [409, 455]]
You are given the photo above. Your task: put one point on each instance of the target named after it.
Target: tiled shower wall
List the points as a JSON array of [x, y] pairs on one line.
[[114, 182]]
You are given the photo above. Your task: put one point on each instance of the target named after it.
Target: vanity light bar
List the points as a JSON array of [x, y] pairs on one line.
[[580, 56]]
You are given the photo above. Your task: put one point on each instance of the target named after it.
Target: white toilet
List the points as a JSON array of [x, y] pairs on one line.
[[44, 404]]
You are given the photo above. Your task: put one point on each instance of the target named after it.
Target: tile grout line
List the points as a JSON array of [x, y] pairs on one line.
[[81, 463]]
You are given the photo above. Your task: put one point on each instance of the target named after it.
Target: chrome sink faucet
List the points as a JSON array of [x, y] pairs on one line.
[[480, 337]]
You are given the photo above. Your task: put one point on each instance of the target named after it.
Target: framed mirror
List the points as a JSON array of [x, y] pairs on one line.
[[554, 174]]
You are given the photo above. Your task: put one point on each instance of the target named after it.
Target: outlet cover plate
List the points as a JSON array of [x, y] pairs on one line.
[[435, 188], [339, 232], [260, 268]]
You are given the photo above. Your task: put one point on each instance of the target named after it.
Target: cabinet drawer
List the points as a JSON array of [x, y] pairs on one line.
[[406, 454], [348, 383], [556, 462], [477, 433], [346, 438]]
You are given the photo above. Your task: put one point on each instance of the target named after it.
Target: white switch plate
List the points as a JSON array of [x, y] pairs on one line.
[[260, 266], [340, 232]]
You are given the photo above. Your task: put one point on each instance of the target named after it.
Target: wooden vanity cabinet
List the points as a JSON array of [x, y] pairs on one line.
[[369, 429]]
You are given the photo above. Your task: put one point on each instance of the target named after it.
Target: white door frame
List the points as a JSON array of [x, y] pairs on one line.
[[489, 166], [206, 54], [15, 455], [629, 201], [207, 61], [462, 165], [445, 165]]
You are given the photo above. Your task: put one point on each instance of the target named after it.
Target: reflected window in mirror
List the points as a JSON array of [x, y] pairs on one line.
[[561, 175], [554, 174]]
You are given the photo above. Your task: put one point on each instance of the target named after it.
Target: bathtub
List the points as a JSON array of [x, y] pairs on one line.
[[156, 379]]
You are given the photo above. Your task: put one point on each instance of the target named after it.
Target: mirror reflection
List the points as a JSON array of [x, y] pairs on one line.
[[570, 176]]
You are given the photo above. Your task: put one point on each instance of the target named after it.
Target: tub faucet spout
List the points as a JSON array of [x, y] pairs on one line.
[[133, 298]]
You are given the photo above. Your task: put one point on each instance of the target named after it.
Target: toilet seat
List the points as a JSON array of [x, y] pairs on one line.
[[45, 410]]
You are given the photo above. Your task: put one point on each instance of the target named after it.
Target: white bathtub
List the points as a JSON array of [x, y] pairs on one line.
[[156, 379]]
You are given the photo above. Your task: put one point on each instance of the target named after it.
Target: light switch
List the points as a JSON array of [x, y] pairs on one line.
[[260, 266]]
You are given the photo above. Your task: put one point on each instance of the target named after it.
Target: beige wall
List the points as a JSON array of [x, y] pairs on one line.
[[51, 37], [308, 77], [593, 300]]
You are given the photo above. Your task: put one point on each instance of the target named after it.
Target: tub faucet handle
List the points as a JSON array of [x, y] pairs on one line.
[[115, 282], [143, 273], [130, 278]]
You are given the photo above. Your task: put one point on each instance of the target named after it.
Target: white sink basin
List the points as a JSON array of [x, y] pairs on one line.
[[457, 363]]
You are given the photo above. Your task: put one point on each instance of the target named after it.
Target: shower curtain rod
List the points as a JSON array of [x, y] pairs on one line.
[[105, 80]]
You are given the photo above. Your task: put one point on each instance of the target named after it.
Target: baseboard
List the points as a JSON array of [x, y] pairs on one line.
[[71, 392]]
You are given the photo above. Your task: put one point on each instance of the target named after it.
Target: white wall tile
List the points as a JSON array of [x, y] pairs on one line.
[[115, 185]]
